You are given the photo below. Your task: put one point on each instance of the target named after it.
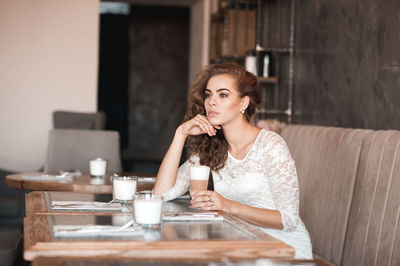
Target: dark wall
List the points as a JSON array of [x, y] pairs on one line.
[[158, 75], [347, 63], [113, 72]]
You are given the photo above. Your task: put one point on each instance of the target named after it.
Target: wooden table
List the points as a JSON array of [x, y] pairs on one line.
[[176, 240], [77, 261], [82, 183]]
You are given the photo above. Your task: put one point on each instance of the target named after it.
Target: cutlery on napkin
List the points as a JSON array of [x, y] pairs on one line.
[[96, 230], [192, 216], [85, 205]]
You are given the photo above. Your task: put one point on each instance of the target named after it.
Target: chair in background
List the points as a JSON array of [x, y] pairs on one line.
[[72, 149], [77, 120]]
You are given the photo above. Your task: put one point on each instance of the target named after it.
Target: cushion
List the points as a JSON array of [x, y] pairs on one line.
[[373, 236], [326, 160]]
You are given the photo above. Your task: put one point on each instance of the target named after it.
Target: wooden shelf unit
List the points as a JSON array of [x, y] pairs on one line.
[[232, 33], [262, 27], [269, 80]]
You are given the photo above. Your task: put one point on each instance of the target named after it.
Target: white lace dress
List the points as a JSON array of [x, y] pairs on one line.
[[265, 178]]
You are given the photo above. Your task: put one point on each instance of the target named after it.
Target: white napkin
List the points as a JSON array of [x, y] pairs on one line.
[[85, 205], [95, 231], [192, 216], [54, 178]]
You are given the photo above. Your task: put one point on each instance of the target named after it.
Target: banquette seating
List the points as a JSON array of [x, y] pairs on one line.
[[349, 183]]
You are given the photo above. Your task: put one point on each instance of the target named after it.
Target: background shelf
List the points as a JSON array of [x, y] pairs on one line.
[[263, 29], [270, 80]]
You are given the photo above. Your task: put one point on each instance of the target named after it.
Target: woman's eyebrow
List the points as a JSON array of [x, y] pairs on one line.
[[223, 89], [218, 90]]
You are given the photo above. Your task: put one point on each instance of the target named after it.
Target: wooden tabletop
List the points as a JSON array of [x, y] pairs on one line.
[[175, 240], [79, 261], [83, 183]]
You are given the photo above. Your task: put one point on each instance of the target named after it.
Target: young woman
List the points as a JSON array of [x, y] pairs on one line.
[[253, 172]]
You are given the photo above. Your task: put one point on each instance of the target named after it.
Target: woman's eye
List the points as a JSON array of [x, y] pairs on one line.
[[207, 95], [223, 95]]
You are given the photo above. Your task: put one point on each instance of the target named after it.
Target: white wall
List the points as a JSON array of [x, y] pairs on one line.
[[48, 61]]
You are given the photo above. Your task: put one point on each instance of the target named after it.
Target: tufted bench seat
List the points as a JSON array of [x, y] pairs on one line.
[[373, 234], [348, 182]]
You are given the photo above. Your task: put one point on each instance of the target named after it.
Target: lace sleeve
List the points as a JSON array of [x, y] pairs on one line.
[[282, 175], [182, 183]]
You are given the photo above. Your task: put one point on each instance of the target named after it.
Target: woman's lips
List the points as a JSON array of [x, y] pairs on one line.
[[212, 114]]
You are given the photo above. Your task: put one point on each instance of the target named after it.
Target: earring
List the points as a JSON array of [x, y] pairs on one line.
[[242, 111]]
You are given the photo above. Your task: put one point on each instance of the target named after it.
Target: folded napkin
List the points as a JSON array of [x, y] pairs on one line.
[[95, 231], [53, 178], [192, 216], [85, 205]]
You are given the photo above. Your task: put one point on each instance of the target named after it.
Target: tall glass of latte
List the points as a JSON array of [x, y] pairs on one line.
[[198, 178]]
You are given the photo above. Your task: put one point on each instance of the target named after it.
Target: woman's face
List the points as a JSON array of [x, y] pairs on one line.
[[222, 100]]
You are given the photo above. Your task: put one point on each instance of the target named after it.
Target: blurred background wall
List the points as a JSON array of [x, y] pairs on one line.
[[347, 63], [346, 67], [48, 61]]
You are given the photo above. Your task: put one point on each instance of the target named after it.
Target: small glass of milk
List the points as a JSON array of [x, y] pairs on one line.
[[124, 189], [148, 209]]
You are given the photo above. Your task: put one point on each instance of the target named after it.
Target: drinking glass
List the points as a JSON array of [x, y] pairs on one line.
[[98, 167], [148, 209], [124, 189], [198, 178]]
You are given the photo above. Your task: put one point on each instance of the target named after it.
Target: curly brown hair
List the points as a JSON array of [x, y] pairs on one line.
[[213, 151]]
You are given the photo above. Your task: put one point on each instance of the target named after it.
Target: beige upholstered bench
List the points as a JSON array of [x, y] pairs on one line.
[[348, 182], [373, 233]]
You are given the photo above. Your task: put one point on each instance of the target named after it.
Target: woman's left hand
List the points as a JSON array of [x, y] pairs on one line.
[[210, 200]]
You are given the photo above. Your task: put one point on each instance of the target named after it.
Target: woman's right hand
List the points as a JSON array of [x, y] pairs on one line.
[[198, 125]]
